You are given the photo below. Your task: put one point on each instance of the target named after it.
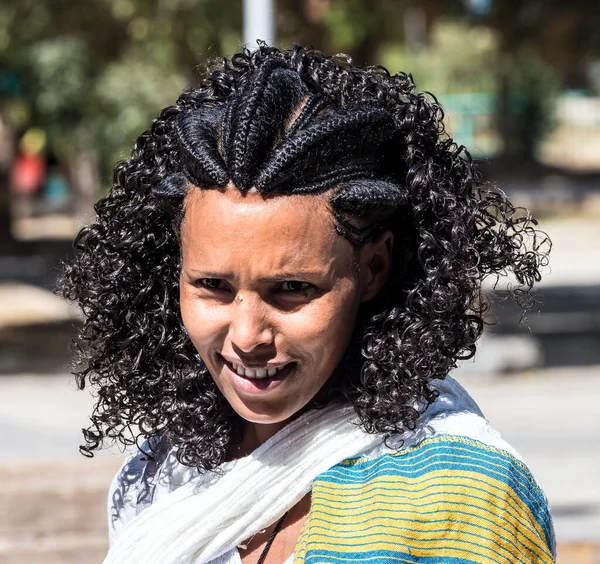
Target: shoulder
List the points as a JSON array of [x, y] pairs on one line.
[[447, 495], [135, 485]]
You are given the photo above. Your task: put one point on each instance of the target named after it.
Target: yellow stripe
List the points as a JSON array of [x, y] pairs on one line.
[[447, 541], [411, 488], [478, 479], [397, 543], [486, 517], [379, 526], [439, 497], [515, 464], [469, 481]]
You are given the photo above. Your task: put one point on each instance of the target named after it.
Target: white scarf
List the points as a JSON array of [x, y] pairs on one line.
[[214, 513]]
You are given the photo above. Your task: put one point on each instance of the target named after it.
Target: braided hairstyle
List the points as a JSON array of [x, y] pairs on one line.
[[290, 122]]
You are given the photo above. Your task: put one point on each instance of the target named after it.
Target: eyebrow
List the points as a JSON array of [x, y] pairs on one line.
[[281, 277]]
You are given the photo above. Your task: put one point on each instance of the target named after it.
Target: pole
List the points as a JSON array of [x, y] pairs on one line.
[[258, 22]]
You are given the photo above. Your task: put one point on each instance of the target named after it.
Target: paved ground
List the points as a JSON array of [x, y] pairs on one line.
[[575, 255], [550, 417]]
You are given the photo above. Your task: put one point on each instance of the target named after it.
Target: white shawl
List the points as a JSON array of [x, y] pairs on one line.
[[214, 512]]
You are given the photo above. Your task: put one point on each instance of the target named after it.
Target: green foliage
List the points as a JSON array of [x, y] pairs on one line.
[[129, 92], [105, 67], [459, 58], [58, 66], [350, 22]]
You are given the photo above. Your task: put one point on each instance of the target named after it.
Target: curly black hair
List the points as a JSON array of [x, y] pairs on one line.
[[288, 122]]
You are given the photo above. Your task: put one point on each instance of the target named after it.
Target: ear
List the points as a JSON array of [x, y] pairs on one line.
[[375, 265]]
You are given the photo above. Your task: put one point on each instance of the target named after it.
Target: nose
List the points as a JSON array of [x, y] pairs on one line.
[[249, 326]]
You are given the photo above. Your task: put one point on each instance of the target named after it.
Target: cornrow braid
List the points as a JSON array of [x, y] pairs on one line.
[[313, 106], [197, 135], [290, 122], [346, 138], [373, 201], [259, 118]]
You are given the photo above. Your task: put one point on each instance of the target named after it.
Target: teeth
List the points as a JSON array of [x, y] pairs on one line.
[[256, 373]]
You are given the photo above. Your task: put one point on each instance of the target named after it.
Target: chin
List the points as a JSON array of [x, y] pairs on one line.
[[266, 417]]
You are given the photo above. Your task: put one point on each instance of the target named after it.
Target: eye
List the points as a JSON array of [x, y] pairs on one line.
[[295, 286], [213, 284]]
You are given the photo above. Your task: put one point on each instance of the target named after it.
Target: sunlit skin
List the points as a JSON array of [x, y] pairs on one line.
[[269, 282]]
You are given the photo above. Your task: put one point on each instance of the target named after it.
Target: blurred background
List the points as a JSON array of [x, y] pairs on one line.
[[520, 83]]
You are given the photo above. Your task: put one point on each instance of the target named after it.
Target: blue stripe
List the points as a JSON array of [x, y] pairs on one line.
[[385, 557], [448, 462], [439, 444], [440, 454], [443, 449]]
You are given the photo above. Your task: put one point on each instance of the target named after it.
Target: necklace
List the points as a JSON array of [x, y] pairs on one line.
[[263, 554]]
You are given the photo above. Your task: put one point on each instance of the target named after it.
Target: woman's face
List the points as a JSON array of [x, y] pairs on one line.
[[269, 296]]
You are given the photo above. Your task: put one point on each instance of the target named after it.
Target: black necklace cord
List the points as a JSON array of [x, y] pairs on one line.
[[263, 554]]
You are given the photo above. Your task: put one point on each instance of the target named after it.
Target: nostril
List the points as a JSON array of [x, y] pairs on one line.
[[248, 337]]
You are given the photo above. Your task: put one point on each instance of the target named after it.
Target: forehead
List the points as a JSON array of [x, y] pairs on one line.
[[273, 232]]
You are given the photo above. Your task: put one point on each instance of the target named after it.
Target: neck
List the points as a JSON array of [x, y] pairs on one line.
[[255, 434]]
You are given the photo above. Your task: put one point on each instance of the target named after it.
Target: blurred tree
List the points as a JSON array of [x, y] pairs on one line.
[[361, 28], [540, 46], [94, 73], [543, 45]]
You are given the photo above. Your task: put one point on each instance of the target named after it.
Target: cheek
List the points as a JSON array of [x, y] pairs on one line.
[[323, 329], [203, 323]]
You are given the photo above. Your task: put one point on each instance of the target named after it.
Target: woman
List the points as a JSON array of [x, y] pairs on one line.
[[275, 290]]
